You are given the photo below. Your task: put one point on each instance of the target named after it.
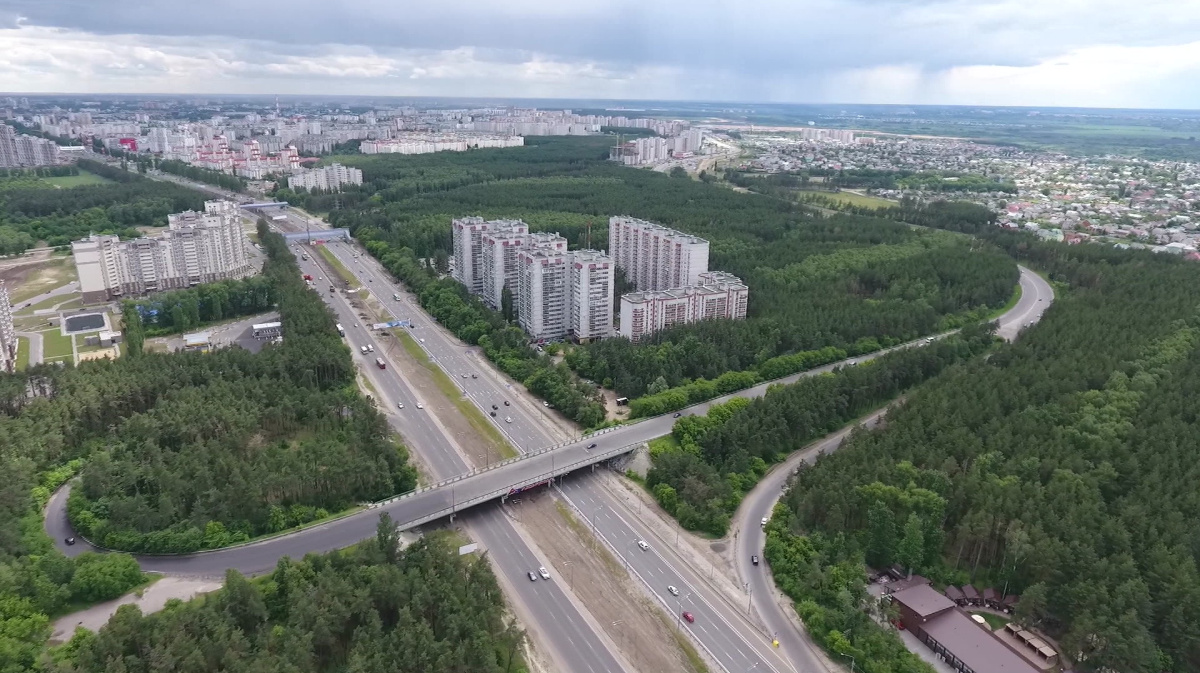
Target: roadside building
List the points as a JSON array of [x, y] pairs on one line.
[[953, 635]]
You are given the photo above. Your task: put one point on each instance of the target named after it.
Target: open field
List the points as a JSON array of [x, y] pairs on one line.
[[854, 199], [25, 282], [84, 178]]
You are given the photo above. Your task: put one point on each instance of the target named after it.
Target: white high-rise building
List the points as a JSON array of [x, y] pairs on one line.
[[718, 295], [542, 293], [327, 178], [592, 275], [654, 257], [554, 296], [195, 248], [8, 336], [500, 243]]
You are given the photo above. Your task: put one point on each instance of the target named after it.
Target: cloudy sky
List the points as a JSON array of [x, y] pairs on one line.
[[990, 52]]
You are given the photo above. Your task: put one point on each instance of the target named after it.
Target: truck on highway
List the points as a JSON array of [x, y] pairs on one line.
[[380, 363], [341, 330]]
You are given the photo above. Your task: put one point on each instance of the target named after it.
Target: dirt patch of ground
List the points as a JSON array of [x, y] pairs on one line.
[[640, 629], [151, 599], [29, 278]]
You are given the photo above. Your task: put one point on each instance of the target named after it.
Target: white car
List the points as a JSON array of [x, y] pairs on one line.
[[420, 406], [508, 419], [643, 545], [764, 522], [363, 349], [399, 405], [421, 340], [370, 348], [673, 591], [544, 573]]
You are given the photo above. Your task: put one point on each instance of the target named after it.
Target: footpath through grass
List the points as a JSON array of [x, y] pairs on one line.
[[454, 393]]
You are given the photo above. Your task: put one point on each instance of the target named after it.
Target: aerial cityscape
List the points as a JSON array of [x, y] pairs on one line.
[[630, 339]]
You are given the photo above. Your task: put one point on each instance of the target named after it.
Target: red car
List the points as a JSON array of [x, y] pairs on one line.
[[688, 616]]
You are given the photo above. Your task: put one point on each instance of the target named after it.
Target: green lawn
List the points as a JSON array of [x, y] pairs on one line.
[[852, 199], [995, 622], [55, 345], [84, 178], [453, 393]]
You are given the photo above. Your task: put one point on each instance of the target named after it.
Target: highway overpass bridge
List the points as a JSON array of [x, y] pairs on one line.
[[316, 235], [424, 505]]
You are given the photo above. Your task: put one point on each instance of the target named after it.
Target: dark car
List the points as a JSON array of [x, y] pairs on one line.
[[70, 540], [678, 414], [532, 576], [591, 446], [506, 403], [494, 407], [754, 559], [493, 414], [688, 616]]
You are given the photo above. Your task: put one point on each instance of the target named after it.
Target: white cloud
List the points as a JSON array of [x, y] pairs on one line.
[[36, 58]]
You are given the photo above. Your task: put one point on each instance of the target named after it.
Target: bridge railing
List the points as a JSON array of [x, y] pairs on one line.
[[458, 506]]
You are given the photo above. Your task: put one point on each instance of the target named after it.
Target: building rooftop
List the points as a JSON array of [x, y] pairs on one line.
[[924, 600], [975, 646]]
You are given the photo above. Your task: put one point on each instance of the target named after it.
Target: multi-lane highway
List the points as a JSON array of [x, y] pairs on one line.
[[721, 628]]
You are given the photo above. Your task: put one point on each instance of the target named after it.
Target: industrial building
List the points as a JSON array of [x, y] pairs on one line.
[[654, 257], [717, 295], [195, 248]]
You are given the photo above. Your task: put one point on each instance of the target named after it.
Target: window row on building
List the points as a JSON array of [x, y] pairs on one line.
[[556, 293], [195, 248]]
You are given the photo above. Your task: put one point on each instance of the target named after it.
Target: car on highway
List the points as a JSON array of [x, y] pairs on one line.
[[493, 414], [494, 407], [399, 405], [370, 348], [421, 340], [754, 559], [929, 340], [474, 376], [544, 573], [689, 618], [764, 522], [508, 419], [591, 446], [420, 406], [673, 591], [464, 376], [362, 349], [678, 414], [532, 576], [545, 403], [70, 540], [643, 545], [506, 403]]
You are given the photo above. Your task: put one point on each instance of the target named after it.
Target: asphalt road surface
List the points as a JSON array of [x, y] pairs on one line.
[[1036, 297]]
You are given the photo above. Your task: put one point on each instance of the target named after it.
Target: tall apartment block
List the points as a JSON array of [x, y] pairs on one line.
[[498, 260], [542, 296], [717, 295], [328, 178], [8, 336], [553, 295], [18, 150], [591, 276], [195, 248], [654, 257]]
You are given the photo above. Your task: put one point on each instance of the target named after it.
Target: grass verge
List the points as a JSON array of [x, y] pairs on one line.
[[585, 534], [22, 353], [70, 298], [337, 265], [453, 393], [695, 662]]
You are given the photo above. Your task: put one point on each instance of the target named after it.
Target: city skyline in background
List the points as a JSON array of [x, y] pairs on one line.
[[949, 52]]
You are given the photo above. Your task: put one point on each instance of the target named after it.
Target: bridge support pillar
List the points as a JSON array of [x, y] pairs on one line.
[[452, 515], [503, 499]]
